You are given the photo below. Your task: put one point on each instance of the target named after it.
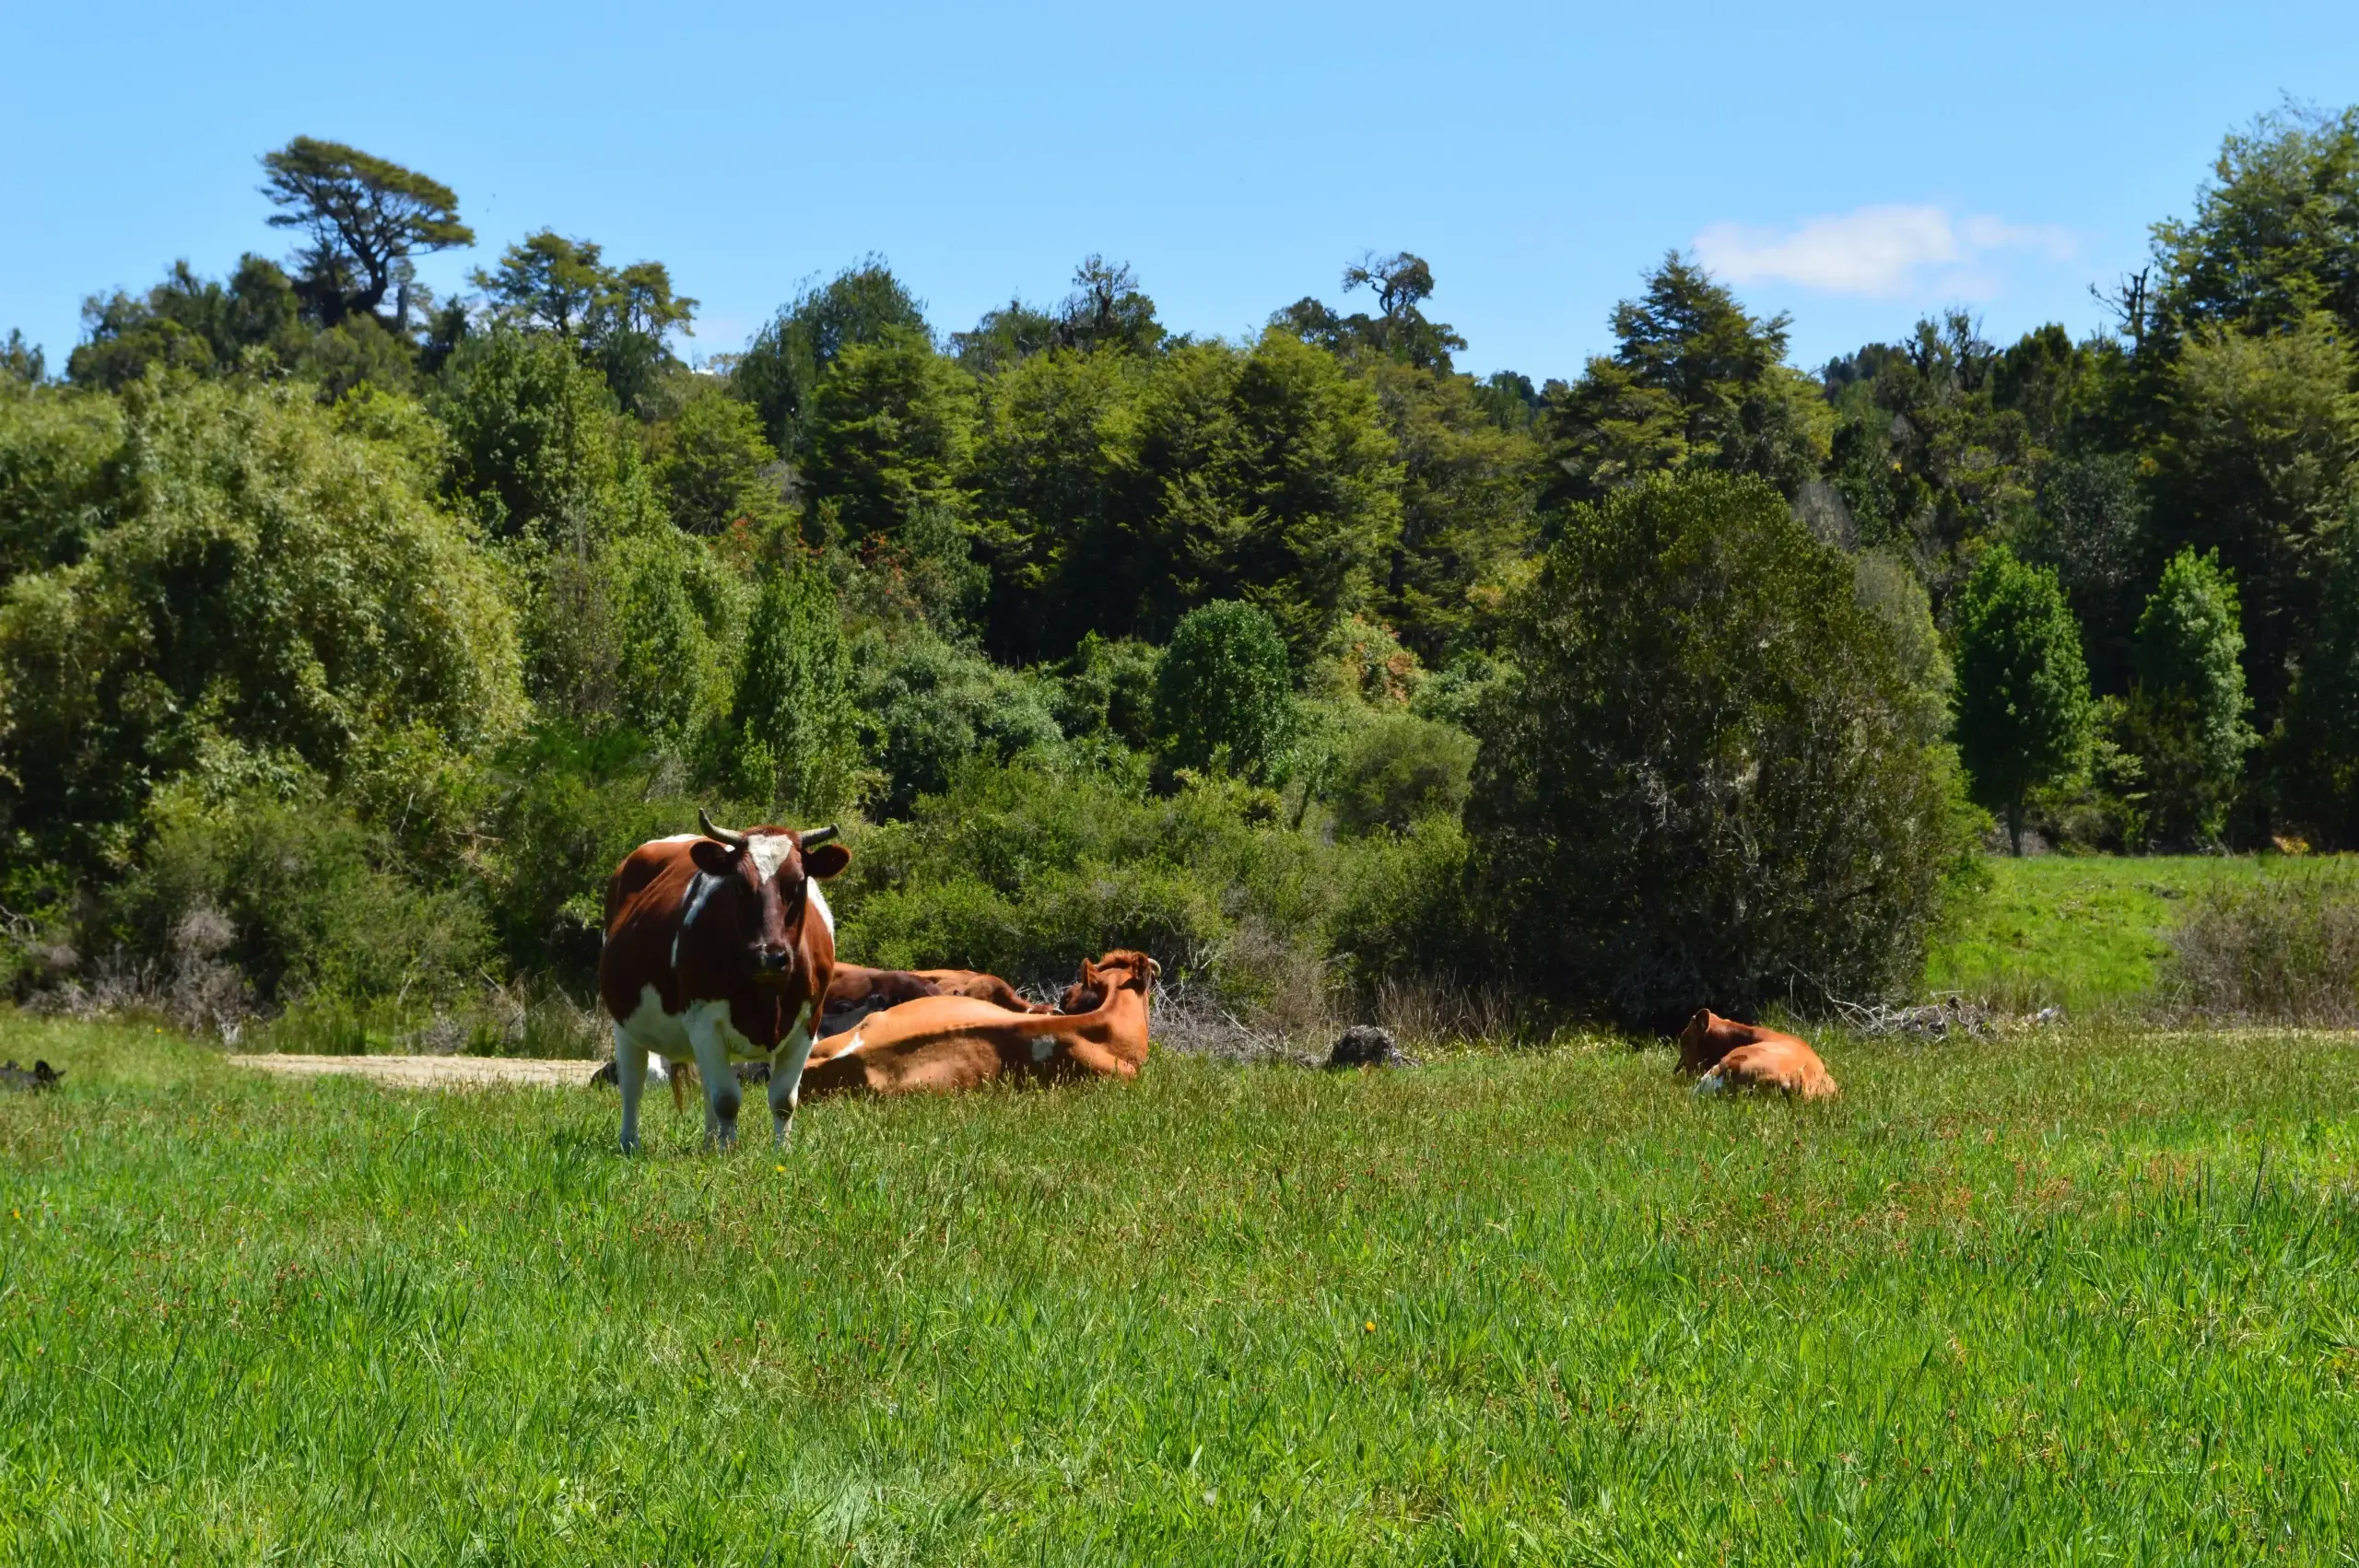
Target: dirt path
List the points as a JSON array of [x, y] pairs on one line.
[[430, 1072]]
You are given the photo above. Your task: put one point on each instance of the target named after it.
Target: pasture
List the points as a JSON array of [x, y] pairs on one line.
[[2076, 1297]]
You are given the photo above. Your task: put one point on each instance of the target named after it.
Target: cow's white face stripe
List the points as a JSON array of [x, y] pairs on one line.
[[770, 850], [700, 890]]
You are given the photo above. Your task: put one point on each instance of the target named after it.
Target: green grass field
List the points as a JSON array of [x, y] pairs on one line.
[[2083, 932], [2077, 1297]]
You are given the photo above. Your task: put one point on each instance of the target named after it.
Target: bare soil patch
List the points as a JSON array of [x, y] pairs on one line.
[[429, 1071]]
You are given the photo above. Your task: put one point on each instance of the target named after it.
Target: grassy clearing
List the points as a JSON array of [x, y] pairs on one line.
[[2076, 1298], [2081, 931]]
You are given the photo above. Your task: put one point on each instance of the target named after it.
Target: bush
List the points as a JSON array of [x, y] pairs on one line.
[[2282, 949], [1398, 770], [1026, 869], [793, 733], [1708, 786], [931, 708], [296, 898], [1225, 694]]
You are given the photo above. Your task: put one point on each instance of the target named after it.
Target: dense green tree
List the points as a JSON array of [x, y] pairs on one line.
[[190, 324], [794, 732], [1468, 494], [2257, 462], [2022, 703], [1105, 309], [713, 467], [1266, 475], [2275, 235], [277, 590], [1693, 384], [1398, 770], [2187, 712], [1708, 786], [366, 216], [618, 316], [535, 447], [1054, 452], [781, 371], [1225, 691], [929, 710], [1398, 330], [62, 473], [2318, 748]]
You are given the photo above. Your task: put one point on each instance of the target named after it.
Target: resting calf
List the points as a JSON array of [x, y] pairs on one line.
[[936, 1045], [1721, 1054], [855, 992]]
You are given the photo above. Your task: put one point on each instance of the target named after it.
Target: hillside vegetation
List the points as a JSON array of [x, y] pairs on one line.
[[349, 636]]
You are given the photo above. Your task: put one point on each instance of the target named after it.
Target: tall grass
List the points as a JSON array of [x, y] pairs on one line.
[[2085, 1298]]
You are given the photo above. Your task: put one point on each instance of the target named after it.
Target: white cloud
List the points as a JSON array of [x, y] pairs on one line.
[[1882, 252]]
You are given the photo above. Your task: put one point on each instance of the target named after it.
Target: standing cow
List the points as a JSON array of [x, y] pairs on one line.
[[719, 946]]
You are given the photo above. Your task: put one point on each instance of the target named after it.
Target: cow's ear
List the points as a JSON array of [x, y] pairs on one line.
[[825, 860], [714, 858]]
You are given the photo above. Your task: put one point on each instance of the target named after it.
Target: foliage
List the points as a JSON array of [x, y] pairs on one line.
[[2283, 949], [534, 444], [60, 473], [1707, 787], [618, 316], [276, 588], [2318, 747], [1398, 769], [2023, 698], [297, 898], [1224, 695], [1105, 309], [928, 708], [1693, 384], [793, 728], [1399, 332], [2256, 462], [2275, 234], [780, 369], [365, 216], [2187, 714], [713, 467]]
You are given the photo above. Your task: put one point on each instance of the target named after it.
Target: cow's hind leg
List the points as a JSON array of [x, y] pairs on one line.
[[722, 1096], [787, 1063], [630, 1077]]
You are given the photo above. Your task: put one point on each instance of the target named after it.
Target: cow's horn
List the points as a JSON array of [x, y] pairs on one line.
[[734, 840], [820, 835]]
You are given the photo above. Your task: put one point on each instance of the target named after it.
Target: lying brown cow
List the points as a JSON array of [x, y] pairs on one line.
[[1720, 1054], [853, 986], [937, 1044]]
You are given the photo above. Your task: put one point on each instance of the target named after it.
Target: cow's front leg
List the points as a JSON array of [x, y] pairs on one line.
[[786, 1075], [722, 1096], [630, 1077]]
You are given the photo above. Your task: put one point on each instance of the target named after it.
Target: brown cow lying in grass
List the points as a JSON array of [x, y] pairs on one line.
[[937, 1044], [1720, 1053], [853, 986]]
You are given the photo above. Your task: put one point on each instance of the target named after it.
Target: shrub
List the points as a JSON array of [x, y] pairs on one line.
[[2022, 689], [1026, 869], [295, 898], [793, 732], [1398, 770], [2186, 711], [1707, 787], [2317, 750], [2282, 948], [929, 708], [1223, 696]]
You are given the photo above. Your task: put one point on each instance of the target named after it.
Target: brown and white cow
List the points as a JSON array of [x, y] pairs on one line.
[[1720, 1054], [718, 947], [936, 1045]]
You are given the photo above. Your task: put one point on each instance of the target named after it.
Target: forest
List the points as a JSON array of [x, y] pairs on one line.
[[349, 635]]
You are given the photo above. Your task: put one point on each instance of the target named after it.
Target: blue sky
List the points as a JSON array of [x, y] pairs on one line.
[[1856, 165]]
